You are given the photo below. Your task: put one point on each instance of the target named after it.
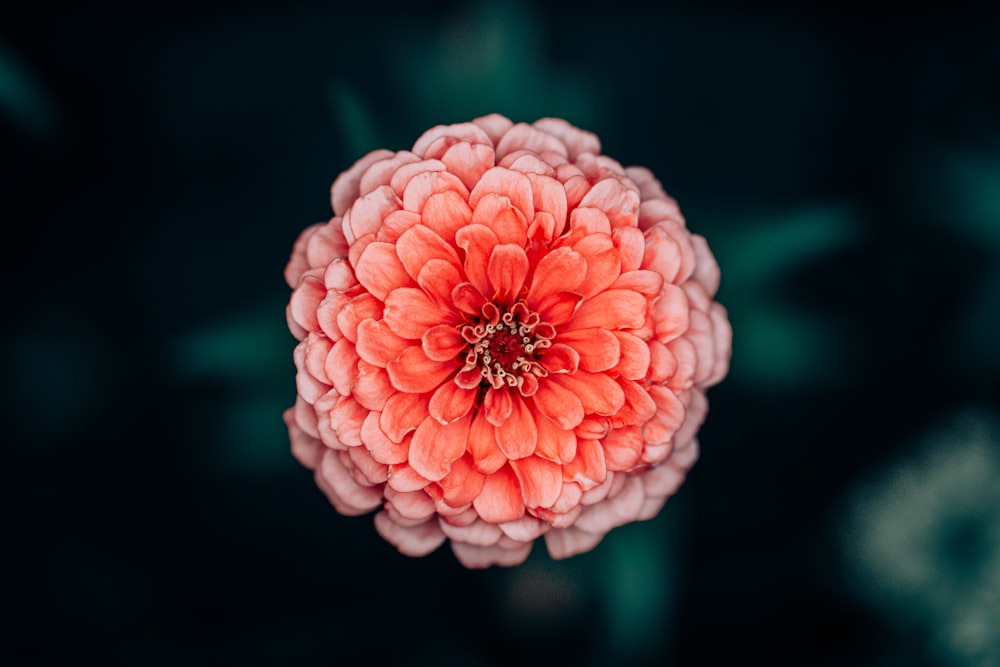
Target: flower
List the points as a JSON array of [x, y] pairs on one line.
[[503, 334]]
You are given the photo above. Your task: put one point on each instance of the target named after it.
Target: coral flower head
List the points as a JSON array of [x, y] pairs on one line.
[[503, 335]]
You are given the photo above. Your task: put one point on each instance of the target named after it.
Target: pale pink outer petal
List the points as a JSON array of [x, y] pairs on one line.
[[577, 141], [478, 533], [345, 187], [297, 262], [306, 449], [494, 125], [349, 497], [565, 542], [474, 557], [418, 540]]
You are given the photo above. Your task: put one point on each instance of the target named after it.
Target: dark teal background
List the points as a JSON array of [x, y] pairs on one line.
[[158, 161]]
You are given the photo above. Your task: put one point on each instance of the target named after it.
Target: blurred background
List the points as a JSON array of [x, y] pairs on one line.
[[158, 160]]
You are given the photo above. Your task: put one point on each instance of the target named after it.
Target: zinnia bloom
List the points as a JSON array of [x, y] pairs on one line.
[[503, 334]]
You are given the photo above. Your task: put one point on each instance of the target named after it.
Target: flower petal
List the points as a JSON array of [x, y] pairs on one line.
[[540, 480], [380, 271], [435, 446], [507, 269], [402, 413], [588, 468], [419, 244], [611, 309], [554, 443], [349, 497], [483, 446], [409, 313], [477, 558], [497, 406], [439, 278], [559, 404], [371, 387], [597, 392], [469, 161], [518, 435], [463, 483], [561, 270], [478, 242], [413, 371], [560, 358], [622, 448], [413, 541], [524, 136], [498, 214], [382, 449], [570, 541], [450, 402], [377, 344], [345, 187], [500, 499], [367, 213], [445, 213], [598, 349]]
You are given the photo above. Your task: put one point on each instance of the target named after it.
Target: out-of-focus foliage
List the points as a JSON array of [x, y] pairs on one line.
[[921, 538]]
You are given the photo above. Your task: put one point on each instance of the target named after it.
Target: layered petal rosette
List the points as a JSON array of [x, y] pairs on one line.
[[503, 335]]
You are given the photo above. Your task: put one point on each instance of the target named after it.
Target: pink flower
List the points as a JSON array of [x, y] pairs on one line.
[[503, 334]]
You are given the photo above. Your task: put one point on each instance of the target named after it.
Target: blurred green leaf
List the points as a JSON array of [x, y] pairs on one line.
[[22, 98], [778, 343]]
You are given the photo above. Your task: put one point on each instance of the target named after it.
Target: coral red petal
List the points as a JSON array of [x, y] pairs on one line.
[[558, 404], [498, 214], [463, 483], [380, 271], [540, 480], [382, 449], [469, 161], [497, 406], [611, 309], [439, 278], [512, 185], [478, 242], [554, 443], [588, 468], [486, 454], [418, 245], [561, 270], [367, 213], [413, 371], [622, 448], [518, 435], [435, 446], [442, 342], [500, 499], [377, 344], [598, 349], [597, 392], [445, 213], [409, 312], [402, 413], [507, 269], [449, 402]]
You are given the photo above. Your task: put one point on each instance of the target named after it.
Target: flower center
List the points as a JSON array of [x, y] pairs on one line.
[[504, 347]]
